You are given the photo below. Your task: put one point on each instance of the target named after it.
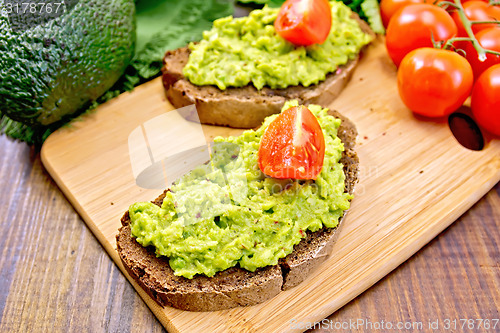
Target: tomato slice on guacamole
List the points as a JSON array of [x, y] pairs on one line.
[[304, 22], [293, 146]]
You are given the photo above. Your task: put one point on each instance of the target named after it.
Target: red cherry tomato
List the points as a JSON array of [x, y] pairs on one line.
[[434, 82], [304, 22], [485, 100], [477, 11], [389, 7], [488, 39], [413, 26], [292, 146]]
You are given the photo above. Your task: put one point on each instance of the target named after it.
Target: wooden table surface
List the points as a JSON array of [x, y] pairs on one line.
[[56, 277]]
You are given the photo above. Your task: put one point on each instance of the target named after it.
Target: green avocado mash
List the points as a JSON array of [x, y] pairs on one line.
[[228, 212], [247, 50]]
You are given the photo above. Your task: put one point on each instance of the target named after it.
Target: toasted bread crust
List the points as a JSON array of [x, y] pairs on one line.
[[230, 288], [244, 107], [235, 286]]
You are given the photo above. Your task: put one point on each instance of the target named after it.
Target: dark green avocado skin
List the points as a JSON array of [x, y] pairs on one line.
[[53, 69]]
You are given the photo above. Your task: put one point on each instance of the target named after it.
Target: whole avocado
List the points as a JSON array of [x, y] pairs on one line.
[[52, 69]]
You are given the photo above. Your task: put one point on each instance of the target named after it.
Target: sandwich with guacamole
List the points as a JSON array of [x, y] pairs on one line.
[[244, 69], [264, 212], [258, 218]]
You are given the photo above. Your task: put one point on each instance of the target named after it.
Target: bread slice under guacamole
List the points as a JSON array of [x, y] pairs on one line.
[[247, 106], [235, 286]]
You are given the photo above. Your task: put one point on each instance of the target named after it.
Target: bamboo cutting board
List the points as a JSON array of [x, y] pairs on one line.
[[415, 180]]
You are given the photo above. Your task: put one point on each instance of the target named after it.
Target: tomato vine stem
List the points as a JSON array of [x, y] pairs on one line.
[[485, 22], [481, 51]]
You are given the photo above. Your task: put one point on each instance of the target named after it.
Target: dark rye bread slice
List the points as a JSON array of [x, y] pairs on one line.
[[235, 286], [245, 107]]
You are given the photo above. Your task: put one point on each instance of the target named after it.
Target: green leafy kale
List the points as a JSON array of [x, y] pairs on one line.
[[368, 10], [167, 25], [270, 3]]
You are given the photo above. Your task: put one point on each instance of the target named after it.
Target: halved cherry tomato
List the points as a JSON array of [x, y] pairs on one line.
[[304, 22], [292, 146], [389, 7], [414, 26], [488, 39], [434, 82], [485, 100], [477, 11]]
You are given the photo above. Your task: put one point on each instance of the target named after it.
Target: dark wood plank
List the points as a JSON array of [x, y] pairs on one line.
[[55, 276]]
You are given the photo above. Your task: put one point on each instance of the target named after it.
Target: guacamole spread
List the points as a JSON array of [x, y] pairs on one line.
[[227, 212], [247, 50]]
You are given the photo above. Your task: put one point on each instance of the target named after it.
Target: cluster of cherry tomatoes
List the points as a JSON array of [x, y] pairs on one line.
[[438, 68]]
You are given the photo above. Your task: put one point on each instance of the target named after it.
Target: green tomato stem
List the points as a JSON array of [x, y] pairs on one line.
[[492, 52], [485, 22], [459, 39], [446, 3], [468, 29], [450, 42]]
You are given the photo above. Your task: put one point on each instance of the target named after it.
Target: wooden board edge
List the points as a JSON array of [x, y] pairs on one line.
[[420, 242], [108, 247]]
